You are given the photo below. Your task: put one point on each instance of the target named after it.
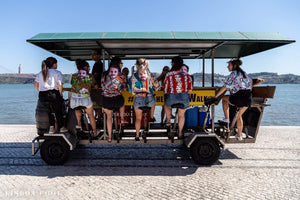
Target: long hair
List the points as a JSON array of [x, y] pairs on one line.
[[236, 63], [142, 64], [47, 64], [177, 63]]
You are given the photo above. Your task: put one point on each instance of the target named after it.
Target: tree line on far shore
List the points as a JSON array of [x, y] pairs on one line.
[[270, 78]]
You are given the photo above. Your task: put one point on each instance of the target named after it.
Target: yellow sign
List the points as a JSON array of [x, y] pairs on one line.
[[196, 97]]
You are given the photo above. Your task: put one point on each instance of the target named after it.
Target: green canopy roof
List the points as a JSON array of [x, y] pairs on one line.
[[158, 45]]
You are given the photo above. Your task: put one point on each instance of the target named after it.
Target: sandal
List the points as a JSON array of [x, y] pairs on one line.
[[124, 122], [96, 134], [96, 137], [180, 137], [167, 124], [109, 140]]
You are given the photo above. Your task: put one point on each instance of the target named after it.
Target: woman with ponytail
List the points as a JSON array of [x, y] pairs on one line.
[[49, 84], [240, 87], [142, 84]]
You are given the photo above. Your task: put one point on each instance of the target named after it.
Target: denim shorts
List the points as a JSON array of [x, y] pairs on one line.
[[148, 101], [183, 98]]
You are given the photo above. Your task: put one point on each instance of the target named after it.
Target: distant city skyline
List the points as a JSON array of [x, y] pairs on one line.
[[24, 19]]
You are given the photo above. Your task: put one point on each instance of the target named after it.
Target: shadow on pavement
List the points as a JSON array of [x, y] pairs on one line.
[[107, 160]]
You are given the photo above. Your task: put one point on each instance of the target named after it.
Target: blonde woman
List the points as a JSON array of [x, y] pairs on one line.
[[142, 85]]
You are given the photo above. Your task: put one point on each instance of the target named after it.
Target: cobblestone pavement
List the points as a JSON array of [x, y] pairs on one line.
[[267, 169]]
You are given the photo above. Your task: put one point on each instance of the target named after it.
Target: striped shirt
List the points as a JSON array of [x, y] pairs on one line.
[[175, 82]]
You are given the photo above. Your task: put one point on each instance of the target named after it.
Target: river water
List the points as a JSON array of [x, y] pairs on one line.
[[18, 102]]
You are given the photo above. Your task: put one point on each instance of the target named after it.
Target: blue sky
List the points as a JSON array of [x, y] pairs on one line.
[[22, 19]]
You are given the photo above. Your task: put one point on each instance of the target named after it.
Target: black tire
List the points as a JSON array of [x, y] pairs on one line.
[[55, 151], [205, 151], [41, 118]]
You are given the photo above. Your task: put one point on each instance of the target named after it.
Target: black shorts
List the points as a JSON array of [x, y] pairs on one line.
[[113, 102], [241, 98]]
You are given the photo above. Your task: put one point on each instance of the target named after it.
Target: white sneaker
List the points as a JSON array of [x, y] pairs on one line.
[[51, 130], [63, 130], [239, 138]]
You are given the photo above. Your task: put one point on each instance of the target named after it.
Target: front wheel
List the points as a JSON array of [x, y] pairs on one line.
[[55, 151], [205, 151]]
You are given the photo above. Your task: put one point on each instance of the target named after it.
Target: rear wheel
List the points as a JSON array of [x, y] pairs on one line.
[[55, 151], [205, 151]]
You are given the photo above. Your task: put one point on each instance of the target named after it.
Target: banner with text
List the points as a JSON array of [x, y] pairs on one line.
[[196, 97]]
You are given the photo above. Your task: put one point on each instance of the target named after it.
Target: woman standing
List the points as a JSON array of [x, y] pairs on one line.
[[49, 84], [82, 83], [240, 86], [142, 85], [176, 88], [117, 62], [112, 87]]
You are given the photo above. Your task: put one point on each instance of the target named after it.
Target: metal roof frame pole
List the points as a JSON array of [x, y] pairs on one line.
[[103, 58], [203, 70], [212, 85]]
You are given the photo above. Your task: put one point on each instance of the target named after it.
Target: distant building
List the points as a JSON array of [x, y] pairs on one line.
[[20, 69]]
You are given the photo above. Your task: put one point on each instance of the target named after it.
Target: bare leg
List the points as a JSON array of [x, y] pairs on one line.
[[162, 114], [225, 104], [108, 122], [78, 117], [239, 121], [152, 112], [138, 119], [181, 120], [90, 113], [168, 111]]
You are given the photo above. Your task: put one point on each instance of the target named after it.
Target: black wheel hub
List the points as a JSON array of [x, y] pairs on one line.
[[206, 151], [55, 151]]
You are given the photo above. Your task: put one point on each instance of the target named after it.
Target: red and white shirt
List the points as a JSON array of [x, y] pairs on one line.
[[175, 82]]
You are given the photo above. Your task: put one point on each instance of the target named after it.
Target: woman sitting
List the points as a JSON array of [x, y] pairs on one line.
[[142, 85], [112, 85], [82, 83]]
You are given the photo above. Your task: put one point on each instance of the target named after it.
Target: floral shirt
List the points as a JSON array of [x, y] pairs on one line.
[[236, 82], [114, 87], [82, 86], [175, 82], [136, 85]]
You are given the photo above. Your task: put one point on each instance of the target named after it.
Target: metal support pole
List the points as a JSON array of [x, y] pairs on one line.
[[212, 68], [203, 70], [212, 85], [103, 59]]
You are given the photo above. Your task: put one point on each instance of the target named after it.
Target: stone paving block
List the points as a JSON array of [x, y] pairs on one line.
[[267, 169]]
